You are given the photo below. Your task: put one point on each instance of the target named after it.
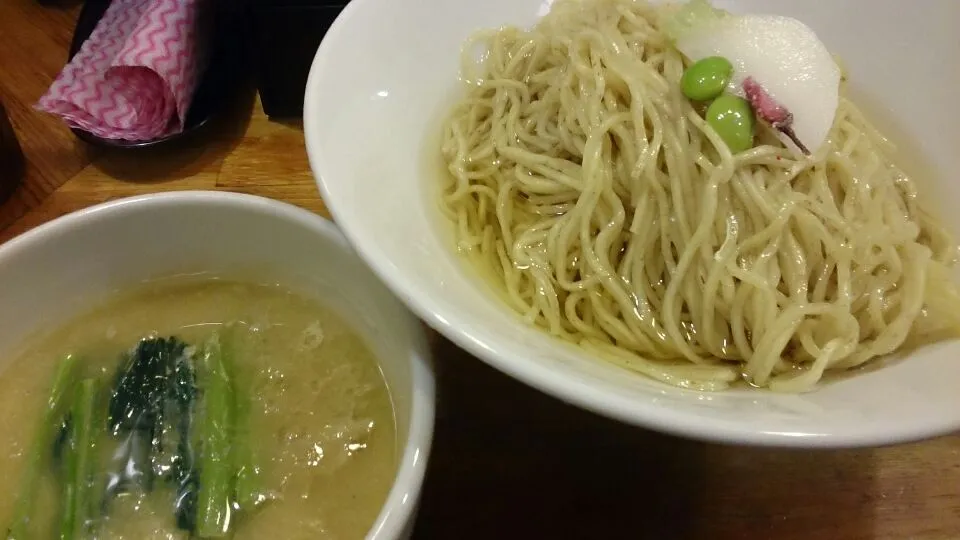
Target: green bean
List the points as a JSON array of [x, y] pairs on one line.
[[706, 78], [43, 440], [732, 118]]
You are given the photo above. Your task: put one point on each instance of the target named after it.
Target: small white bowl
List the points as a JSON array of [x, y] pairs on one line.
[[387, 71], [61, 268]]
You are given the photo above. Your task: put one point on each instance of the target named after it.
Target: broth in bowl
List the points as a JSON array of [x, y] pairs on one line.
[[197, 407]]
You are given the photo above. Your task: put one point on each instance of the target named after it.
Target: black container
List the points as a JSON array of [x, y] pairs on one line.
[[11, 158], [284, 37], [222, 22]]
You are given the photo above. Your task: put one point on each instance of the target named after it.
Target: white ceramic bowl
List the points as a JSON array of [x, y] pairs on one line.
[[59, 269], [380, 83]]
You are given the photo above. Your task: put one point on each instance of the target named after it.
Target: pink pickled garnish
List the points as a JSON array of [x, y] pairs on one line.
[[770, 111]]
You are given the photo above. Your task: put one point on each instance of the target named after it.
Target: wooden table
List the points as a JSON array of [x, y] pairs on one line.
[[508, 462]]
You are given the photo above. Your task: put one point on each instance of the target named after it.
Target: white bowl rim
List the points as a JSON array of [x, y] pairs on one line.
[[399, 508], [577, 392]]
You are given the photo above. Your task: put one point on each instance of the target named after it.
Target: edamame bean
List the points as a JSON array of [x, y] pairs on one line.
[[706, 78], [732, 118]]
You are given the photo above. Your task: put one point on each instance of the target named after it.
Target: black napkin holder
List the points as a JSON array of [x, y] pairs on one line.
[[284, 38], [218, 81]]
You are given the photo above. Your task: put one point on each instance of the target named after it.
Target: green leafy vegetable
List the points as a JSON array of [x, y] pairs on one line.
[[139, 410], [172, 417], [185, 475], [152, 411], [47, 433], [140, 388], [248, 489], [213, 434], [79, 507]]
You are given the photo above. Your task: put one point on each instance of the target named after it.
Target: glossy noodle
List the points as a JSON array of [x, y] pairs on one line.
[[614, 217]]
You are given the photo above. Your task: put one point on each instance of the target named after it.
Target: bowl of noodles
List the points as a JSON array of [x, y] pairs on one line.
[[723, 220]]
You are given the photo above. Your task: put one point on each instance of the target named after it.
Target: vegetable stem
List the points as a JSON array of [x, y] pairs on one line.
[[78, 500], [213, 432], [248, 491], [43, 441], [184, 393]]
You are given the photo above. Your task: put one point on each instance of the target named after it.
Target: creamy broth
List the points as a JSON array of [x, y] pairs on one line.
[[321, 416]]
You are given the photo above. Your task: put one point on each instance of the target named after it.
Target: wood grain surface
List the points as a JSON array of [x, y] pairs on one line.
[[508, 462], [33, 47]]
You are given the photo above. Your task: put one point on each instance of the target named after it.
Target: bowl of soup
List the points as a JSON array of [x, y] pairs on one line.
[[201, 364], [722, 219]]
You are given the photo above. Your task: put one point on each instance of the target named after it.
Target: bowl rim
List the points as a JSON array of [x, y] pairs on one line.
[[450, 323], [399, 508]]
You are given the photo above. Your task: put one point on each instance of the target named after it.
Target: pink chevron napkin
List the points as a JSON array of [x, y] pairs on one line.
[[134, 77]]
